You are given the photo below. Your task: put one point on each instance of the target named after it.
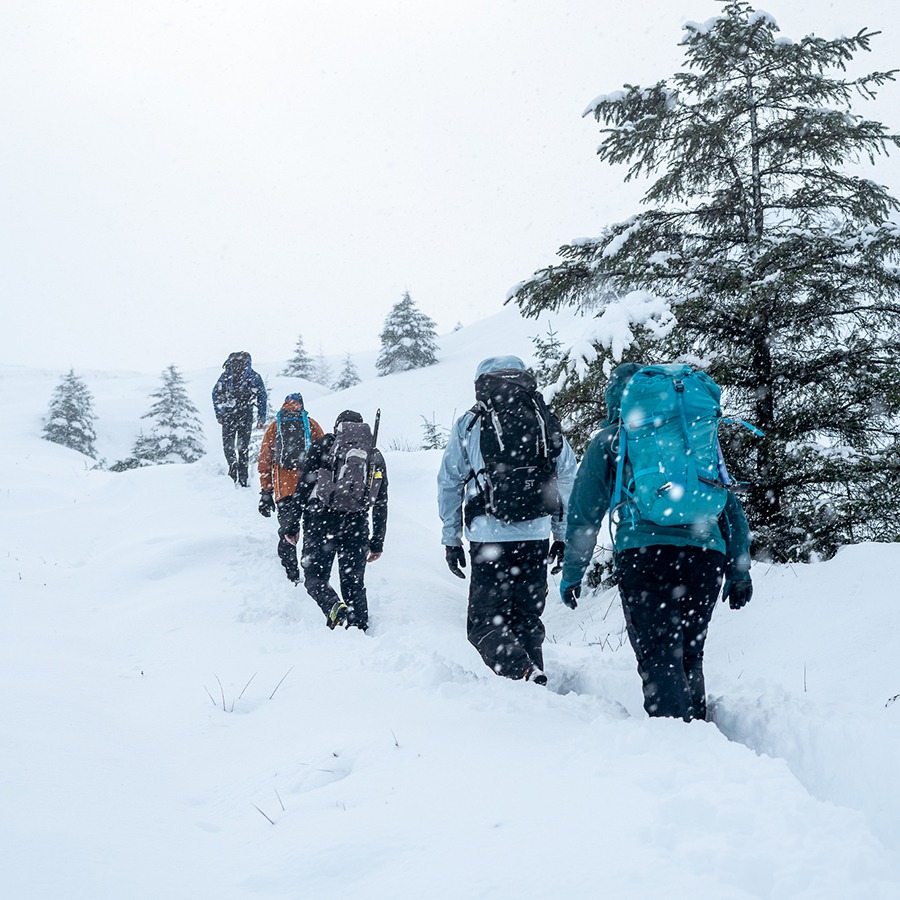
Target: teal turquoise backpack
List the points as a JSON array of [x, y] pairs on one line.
[[670, 469]]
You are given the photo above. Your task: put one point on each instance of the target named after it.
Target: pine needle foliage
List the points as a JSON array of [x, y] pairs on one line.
[[779, 263], [434, 436]]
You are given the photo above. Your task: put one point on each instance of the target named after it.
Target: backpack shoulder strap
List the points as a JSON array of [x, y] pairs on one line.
[[306, 432], [477, 411]]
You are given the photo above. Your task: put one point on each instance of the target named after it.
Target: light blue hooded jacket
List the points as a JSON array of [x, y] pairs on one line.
[[462, 457]]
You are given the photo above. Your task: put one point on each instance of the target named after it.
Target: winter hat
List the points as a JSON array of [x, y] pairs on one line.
[[348, 415], [498, 364], [295, 398], [620, 377]]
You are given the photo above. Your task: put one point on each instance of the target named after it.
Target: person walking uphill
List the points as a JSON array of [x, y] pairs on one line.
[[343, 478], [675, 537], [281, 457], [503, 483], [234, 395]]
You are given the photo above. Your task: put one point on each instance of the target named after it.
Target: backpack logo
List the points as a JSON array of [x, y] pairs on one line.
[[670, 469], [343, 484], [521, 439]]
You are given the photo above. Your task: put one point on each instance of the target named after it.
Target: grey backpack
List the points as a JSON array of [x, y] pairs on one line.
[[343, 480]]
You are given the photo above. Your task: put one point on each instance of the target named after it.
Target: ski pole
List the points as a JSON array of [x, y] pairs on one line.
[[371, 475]]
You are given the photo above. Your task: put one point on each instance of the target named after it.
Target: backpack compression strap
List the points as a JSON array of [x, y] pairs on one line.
[[617, 500]]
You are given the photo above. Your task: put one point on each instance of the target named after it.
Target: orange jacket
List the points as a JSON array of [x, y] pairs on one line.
[[273, 479]]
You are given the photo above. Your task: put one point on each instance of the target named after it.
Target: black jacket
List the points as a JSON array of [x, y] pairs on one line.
[[303, 499]]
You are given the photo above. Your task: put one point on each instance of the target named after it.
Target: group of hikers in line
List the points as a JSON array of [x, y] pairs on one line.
[[330, 484], [509, 484]]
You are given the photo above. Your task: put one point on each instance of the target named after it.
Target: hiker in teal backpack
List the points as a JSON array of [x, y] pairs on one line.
[[671, 560], [282, 455]]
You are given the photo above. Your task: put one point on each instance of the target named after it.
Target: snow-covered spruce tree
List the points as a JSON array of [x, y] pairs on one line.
[[70, 418], [175, 434], [779, 265], [349, 376], [408, 340], [322, 372], [300, 365]]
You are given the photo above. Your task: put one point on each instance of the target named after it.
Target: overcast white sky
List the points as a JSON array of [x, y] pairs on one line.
[[183, 178]]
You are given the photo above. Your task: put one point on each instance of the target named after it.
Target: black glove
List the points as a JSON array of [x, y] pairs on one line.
[[291, 529], [737, 593], [555, 556], [266, 503], [570, 591], [456, 560]]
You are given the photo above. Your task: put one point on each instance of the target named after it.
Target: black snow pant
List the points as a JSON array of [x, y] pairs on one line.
[[287, 552], [327, 534], [507, 593], [668, 596], [237, 426]]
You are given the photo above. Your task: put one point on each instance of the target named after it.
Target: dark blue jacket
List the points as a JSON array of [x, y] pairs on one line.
[[239, 392]]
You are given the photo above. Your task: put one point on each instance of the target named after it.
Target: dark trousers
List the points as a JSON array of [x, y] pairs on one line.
[[327, 535], [287, 552], [668, 596], [237, 426], [507, 592]]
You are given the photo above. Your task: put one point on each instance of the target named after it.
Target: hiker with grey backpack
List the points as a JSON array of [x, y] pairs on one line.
[[677, 525], [342, 485], [503, 484]]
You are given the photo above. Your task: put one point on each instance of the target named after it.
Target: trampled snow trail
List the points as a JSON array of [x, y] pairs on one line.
[[170, 696]]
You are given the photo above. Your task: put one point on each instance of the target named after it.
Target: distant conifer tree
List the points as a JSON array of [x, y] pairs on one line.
[[300, 365], [175, 434], [408, 341], [70, 420], [322, 372], [348, 377]]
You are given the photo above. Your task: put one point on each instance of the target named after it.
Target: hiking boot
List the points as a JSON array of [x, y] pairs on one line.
[[536, 675], [338, 614], [353, 621], [232, 472]]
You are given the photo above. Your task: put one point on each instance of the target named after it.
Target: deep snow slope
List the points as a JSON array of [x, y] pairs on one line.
[[179, 723]]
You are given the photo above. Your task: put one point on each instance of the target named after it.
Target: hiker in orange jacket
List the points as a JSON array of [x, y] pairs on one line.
[[281, 457]]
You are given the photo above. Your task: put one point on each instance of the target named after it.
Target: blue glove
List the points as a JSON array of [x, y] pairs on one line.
[[570, 591], [737, 591]]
